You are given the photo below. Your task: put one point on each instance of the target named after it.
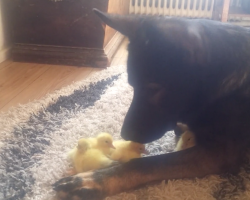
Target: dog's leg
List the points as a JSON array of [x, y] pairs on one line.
[[194, 162]]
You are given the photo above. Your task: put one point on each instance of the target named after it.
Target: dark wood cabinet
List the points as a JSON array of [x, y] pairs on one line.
[[63, 32]]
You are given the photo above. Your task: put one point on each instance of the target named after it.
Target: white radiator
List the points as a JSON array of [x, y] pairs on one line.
[[236, 3], [181, 8]]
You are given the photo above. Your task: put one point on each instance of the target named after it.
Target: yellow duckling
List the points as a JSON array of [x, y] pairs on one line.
[[187, 138], [85, 158], [103, 142], [127, 150]]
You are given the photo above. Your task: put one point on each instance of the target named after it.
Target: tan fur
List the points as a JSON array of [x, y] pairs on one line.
[[234, 81], [127, 183]]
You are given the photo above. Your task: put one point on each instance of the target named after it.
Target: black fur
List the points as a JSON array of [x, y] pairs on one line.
[[191, 71]]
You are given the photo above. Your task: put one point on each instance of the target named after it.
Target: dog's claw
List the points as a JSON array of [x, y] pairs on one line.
[[61, 181], [68, 184]]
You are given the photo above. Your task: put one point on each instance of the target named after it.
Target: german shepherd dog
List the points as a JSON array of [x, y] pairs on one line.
[[192, 71]]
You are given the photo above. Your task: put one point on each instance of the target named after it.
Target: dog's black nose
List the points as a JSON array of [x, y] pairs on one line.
[[138, 136], [132, 136]]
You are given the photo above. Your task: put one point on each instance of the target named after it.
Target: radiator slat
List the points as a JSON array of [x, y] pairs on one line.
[[181, 8]]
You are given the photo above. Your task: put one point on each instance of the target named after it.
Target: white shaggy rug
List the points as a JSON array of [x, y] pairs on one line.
[[34, 140]]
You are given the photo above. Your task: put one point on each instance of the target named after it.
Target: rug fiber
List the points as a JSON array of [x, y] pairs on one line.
[[36, 137]]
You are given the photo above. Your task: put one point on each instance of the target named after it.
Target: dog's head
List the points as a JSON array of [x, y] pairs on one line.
[[166, 69], [158, 72]]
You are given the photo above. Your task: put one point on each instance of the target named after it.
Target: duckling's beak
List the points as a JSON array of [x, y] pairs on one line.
[[112, 146]]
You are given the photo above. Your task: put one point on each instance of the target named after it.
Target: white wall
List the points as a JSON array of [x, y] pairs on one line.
[[5, 43]]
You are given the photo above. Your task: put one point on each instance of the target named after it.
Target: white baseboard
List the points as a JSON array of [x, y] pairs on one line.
[[5, 54], [114, 43]]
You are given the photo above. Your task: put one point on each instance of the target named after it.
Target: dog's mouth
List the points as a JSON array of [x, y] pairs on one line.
[[144, 137], [132, 136], [144, 134]]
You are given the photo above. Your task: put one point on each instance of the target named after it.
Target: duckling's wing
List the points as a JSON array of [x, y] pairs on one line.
[[94, 159], [71, 154], [105, 162], [130, 155], [179, 144]]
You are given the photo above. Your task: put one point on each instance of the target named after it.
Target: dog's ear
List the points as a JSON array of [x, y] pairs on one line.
[[127, 25]]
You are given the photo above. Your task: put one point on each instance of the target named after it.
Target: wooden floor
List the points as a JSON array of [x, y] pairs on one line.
[[24, 82]]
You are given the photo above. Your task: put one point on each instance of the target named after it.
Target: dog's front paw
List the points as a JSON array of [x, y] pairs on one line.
[[83, 186]]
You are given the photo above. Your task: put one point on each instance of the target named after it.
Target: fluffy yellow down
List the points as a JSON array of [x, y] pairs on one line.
[[187, 138], [127, 150], [103, 142], [85, 158]]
